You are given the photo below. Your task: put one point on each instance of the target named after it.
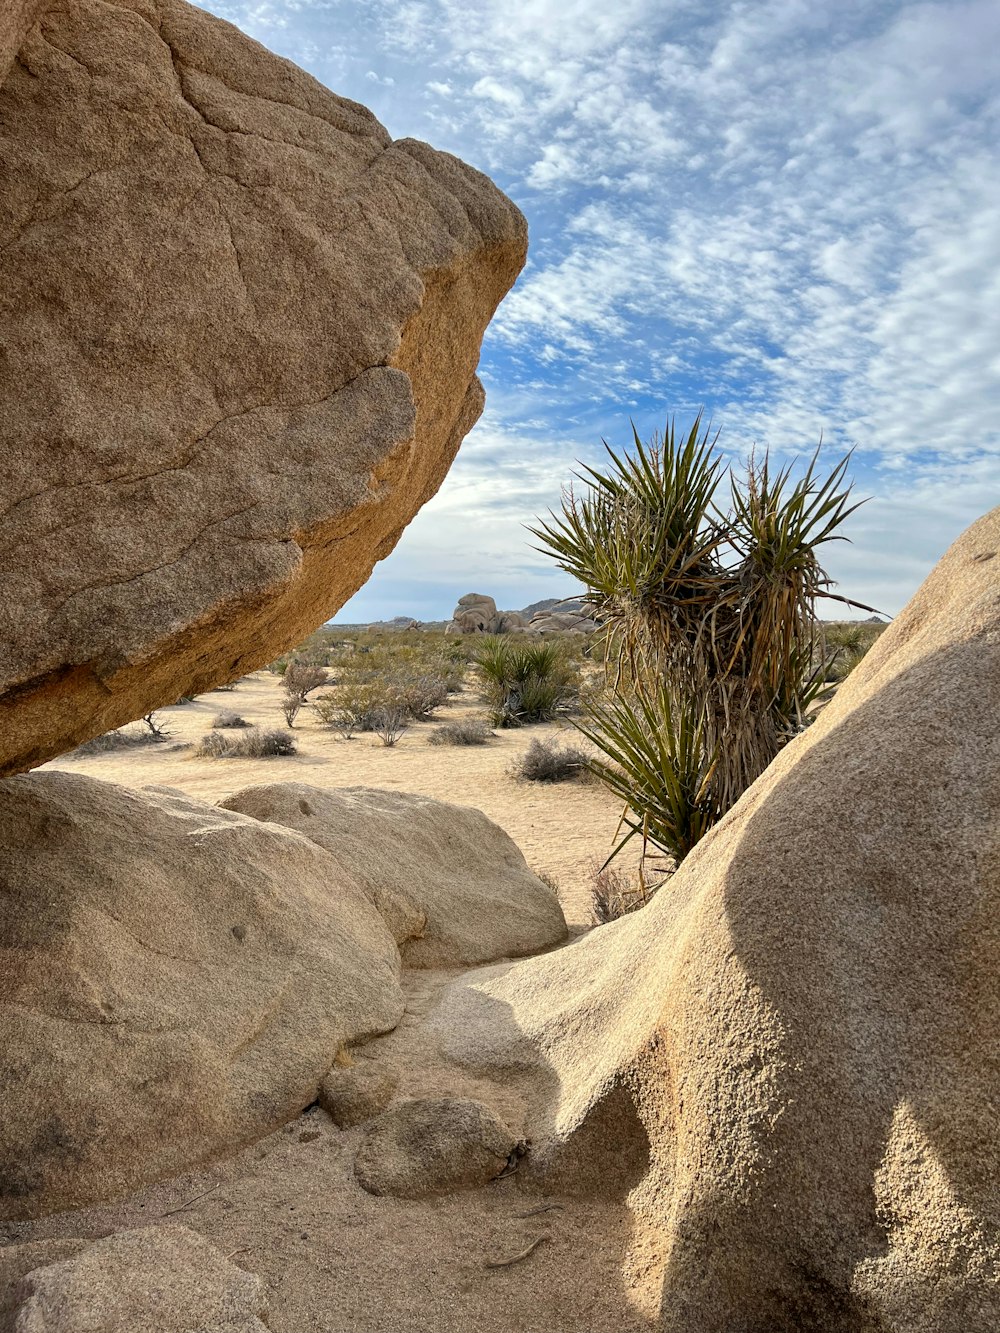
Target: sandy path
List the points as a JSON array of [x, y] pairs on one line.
[[561, 828]]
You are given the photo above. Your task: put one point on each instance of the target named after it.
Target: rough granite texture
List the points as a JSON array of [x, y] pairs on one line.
[[239, 328], [433, 1145], [163, 1279], [789, 1062], [175, 980], [453, 887]]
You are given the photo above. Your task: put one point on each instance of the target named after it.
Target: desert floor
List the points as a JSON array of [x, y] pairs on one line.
[[564, 829]]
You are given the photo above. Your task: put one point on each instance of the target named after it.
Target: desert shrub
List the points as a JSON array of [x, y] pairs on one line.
[[228, 719], [356, 700], [471, 731], [361, 697], [615, 893], [389, 725], [301, 678], [291, 706], [709, 621], [419, 695], [524, 681], [545, 761], [254, 743], [843, 645]]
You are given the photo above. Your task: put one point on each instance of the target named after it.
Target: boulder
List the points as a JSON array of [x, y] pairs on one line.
[[433, 1145], [239, 327], [794, 1047], [175, 980], [355, 1093], [452, 886], [475, 614], [163, 1279]]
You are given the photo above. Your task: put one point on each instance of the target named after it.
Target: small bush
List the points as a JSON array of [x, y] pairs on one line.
[[469, 732], [291, 708], [544, 761], [229, 719], [255, 743], [301, 678], [615, 893], [420, 696], [390, 724], [126, 740], [116, 740]]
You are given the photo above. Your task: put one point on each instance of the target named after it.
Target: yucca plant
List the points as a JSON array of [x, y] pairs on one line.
[[708, 615], [523, 680]]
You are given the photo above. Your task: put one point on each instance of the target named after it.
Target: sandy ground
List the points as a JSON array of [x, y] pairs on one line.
[[562, 828], [288, 1207]]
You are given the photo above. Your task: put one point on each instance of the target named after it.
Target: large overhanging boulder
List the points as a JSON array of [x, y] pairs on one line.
[[239, 328], [790, 1058]]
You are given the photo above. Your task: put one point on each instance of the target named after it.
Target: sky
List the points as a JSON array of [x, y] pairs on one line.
[[785, 213]]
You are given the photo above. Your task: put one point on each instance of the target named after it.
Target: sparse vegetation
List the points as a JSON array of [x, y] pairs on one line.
[[525, 680], [362, 698], [120, 739], [546, 761], [254, 743], [470, 731], [227, 720], [709, 621], [389, 726], [300, 678], [615, 893]]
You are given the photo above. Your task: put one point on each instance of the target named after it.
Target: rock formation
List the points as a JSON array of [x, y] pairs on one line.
[[164, 1279], [477, 614], [433, 1145], [239, 328], [175, 979], [790, 1058], [453, 887]]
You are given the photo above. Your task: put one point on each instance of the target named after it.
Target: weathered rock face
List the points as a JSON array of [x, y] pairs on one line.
[[477, 614], [239, 329], [175, 980], [453, 887], [797, 1041], [164, 1279]]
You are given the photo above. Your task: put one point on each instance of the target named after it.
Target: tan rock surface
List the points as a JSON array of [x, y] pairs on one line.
[[794, 1048], [452, 886], [164, 1279], [16, 20], [228, 300], [433, 1145], [174, 980]]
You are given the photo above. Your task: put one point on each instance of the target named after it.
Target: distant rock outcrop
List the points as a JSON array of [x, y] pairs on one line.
[[789, 1061], [477, 614], [239, 328]]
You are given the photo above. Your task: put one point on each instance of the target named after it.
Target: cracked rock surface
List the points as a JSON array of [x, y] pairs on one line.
[[239, 327]]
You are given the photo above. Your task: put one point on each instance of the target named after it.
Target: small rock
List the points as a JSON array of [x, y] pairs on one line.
[[355, 1094], [433, 1145]]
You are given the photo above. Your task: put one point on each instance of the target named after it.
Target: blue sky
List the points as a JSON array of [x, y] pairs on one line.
[[786, 212]]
